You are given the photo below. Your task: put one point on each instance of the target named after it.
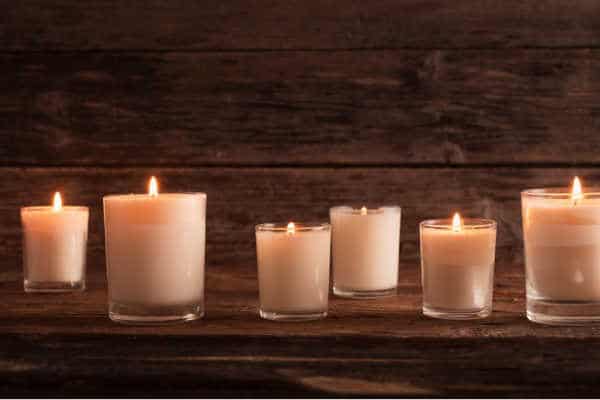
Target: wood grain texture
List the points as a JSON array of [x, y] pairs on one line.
[[381, 108], [313, 24], [65, 345], [239, 198]]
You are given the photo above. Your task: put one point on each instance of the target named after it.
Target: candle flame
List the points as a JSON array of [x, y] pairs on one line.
[[153, 187], [576, 193], [363, 211], [291, 228], [57, 203], [456, 223]]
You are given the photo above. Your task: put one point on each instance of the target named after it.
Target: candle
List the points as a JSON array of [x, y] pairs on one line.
[[293, 270], [561, 229], [155, 256], [365, 251], [457, 267], [54, 247]]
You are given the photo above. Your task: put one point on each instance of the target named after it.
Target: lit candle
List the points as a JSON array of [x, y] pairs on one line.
[[457, 267], [293, 270], [561, 229], [365, 251], [54, 247], [155, 256]]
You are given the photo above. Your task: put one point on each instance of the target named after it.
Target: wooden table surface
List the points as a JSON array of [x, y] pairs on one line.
[[65, 345]]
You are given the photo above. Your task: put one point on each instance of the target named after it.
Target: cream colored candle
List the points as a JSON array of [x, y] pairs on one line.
[[293, 270], [457, 267], [561, 229], [54, 247], [365, 251], [155, 256]]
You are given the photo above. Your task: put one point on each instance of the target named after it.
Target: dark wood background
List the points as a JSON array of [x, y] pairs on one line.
[[279, 110]]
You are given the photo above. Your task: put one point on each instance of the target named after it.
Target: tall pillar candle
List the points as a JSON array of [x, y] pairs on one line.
[[155, 249], [365, 251], [561, 232], [293, 270], [457, 267], [54, 247]]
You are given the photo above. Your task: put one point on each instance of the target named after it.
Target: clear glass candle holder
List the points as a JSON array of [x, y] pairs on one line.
[[293, 270], [562, 256], [457, 268], [54, 248], [365, 251], [155, 249]]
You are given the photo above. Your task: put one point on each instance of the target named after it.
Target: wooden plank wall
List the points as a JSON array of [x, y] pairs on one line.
[[279, 110]]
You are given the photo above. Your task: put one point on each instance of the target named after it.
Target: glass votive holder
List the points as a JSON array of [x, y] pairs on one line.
[[293, 270], [155, 249], [365, 251], [457, 268], [562, 256], [54, 248]]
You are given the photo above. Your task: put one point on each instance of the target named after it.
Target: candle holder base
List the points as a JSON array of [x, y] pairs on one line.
[[292, 317], [53, 287], [154, 315], [442, 313], [552, 312], [363, 294]]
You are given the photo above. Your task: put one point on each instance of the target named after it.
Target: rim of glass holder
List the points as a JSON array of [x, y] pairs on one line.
[[298, 226], [344, 209], [51, 208], [559, 193], [146, 195], [467, 223]]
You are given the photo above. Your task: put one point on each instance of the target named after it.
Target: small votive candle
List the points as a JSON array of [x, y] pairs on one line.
[[457, 267], [365, 251], [561, 232], [293, 270], [54, 247], [155, 256]]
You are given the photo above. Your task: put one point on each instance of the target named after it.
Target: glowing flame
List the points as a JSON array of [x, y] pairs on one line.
[[153, 187], [291, 228], [363, 211], [456, 223], [576, 193], [57, 203]]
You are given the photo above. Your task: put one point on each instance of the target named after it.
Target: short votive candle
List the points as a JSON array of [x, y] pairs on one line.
[[457, 267], [54, 247], [561, 232], [365, 250], [293, 270], [155, 249]]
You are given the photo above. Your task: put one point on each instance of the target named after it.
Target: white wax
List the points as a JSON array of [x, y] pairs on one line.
[[457, 267], [562, 249], [366, 247], [293, 270], [155, 248], [54, 244]]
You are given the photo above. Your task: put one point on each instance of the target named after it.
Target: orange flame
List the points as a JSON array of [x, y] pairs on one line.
[[57, 202], [153, 187], [456, 223]]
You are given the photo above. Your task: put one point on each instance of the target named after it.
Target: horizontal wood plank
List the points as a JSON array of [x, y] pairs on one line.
[[313, 24], [381, 108], [65, 344], [239, 198]]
